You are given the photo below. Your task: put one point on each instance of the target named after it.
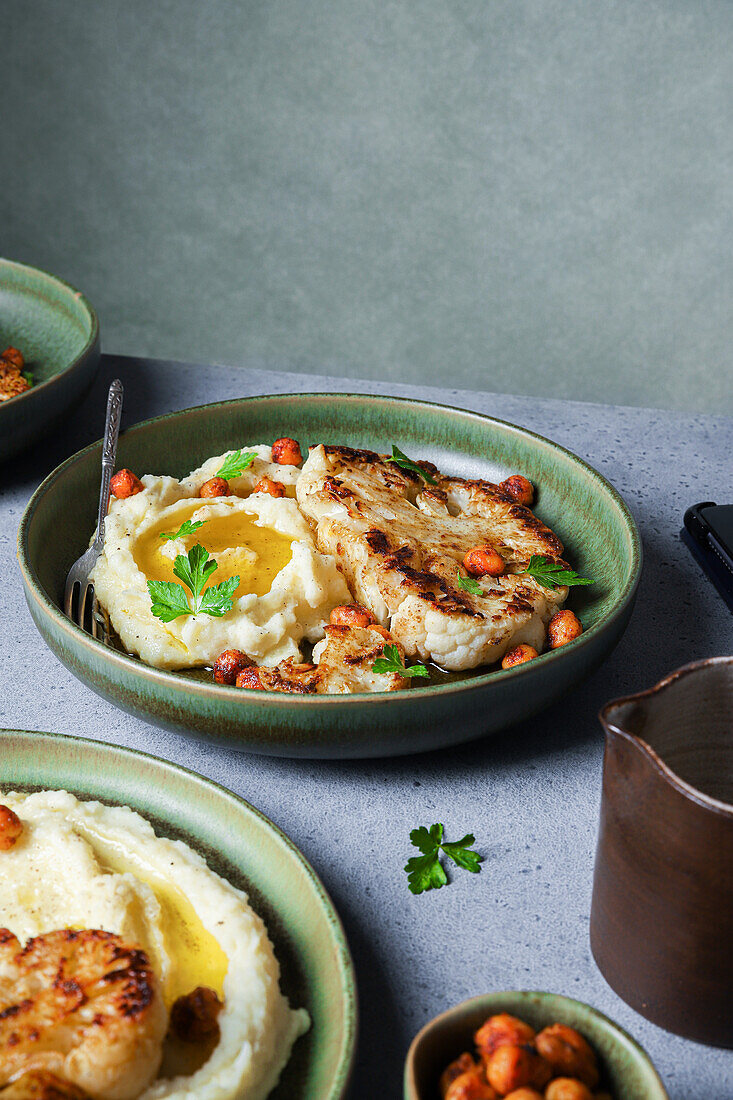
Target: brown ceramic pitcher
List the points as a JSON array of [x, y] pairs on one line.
[[662, 913]]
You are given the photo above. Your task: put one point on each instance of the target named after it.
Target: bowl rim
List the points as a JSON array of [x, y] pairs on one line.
[[620, 1034], [88, 346], [196, 688], [347, 1054]]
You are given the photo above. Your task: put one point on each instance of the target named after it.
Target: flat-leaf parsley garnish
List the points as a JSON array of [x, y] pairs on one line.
[[468, 584], [168, 601], [551, 574], [235, 464], [425, 872], [187, 528], [401, 459], [391, 661]]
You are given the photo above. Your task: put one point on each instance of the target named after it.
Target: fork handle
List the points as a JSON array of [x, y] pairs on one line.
[[109, 451]]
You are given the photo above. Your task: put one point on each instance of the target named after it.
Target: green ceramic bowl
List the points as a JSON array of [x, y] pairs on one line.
[[242, 845], [587, 513], [58, 332], [627, 1071]]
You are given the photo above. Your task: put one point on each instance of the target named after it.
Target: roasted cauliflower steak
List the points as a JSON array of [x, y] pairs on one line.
[[82, 1006], [345, 660], [400, 544], [39, 1085]]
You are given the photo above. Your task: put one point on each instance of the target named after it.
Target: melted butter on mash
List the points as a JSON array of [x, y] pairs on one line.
[[86, 865], [240, 545], [286, 591], [199, 960]]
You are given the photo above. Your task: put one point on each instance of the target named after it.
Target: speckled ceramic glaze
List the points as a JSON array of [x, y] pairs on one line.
[[661, 924], [626, 1070], [58, 332], [599, 534], [245, 847]]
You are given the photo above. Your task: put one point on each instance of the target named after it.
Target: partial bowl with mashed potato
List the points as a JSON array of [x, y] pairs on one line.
[[214, 941]]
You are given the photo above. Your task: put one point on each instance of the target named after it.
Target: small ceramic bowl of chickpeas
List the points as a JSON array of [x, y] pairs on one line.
[[527, 1046]]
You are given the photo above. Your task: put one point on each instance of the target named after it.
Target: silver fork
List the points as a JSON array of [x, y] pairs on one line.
[[79, 602]]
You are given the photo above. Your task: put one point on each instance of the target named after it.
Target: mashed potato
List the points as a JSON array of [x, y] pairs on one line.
[[286, 591], [86, 865]]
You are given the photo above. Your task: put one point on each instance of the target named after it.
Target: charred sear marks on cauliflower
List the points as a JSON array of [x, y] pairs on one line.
[[84, 1006], [400, 544], [345, 659], [40, 1085]]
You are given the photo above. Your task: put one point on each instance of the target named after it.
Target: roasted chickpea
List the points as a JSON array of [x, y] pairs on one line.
[[567, 1088], [125, 484], [462, 1064], [351, 614], [562, 628], [519, 488], [194, 1016], [524, 1094], [568, 1053], [12, 383], [502, 1030], [513, 1067], [286, 452], [518, 655], [470, 1086], [250, 678], [215, 487], [482, 561], [229, 664], [12, 355], [267, 485], [11, 827]]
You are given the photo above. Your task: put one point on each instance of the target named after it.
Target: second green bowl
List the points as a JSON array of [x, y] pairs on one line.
[[57, 330]]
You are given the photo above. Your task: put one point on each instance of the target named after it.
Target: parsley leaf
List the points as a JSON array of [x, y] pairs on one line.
[[461, 854], [401, 459], [391, 661], [217, 599], [186, 528], [235, 464], [468, 584], [551, 574], [195, 568], [28, 375], [169, 601], [426, 840], [425, 872]]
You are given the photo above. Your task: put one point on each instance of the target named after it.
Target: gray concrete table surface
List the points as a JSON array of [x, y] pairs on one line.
[[530, 794]]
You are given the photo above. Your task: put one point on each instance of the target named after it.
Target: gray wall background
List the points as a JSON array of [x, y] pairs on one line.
[[533, 197]]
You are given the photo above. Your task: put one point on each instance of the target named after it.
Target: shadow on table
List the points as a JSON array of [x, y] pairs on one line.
[[383, 1036]]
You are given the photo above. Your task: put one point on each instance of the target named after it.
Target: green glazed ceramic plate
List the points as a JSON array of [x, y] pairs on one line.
[[58, 332], [589, 516], [242, 845], [627, 1071]]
